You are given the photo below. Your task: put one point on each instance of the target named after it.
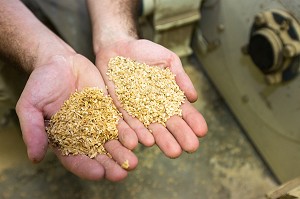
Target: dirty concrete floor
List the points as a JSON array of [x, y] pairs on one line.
[[225, 166]]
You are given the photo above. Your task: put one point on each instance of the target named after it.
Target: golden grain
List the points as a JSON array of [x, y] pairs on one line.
[[85, 122], [88, 119], [147, 93], [125, 164]]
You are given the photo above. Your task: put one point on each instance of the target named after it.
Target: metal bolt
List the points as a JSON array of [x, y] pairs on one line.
[[274, 78], [284, 26], [221, 27], [289, 51], [259, 19], [270, 79]]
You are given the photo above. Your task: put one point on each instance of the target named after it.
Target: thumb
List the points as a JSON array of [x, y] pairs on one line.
[[183, 80], [33, 129]]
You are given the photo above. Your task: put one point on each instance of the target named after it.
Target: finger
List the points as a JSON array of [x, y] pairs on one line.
[[82, 166], [143, 134], [126, 135], [194, 119], [183, 80], [113, 171], [165, 141], [124, 157], [33, 131], [183, 134], [186, 85]]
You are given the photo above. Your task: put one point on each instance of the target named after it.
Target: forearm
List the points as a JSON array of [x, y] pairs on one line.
[[24, 40], [112, 21]]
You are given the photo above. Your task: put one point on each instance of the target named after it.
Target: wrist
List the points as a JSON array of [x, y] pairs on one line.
[[49, 51], [117, 43], [112, 21], [24, 40]]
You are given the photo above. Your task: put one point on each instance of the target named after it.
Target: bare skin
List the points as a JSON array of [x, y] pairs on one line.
[[119, 37], [56, 72]]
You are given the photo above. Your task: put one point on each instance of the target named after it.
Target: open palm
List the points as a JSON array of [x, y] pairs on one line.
[[179, 133], [48, 87]]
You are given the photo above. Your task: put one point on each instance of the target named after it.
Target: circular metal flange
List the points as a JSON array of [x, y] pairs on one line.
[[274, 45]]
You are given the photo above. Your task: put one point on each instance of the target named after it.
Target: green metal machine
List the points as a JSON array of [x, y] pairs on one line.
[[251, 52]]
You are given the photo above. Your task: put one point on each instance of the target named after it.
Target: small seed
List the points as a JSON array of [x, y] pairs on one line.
[[125, 164]]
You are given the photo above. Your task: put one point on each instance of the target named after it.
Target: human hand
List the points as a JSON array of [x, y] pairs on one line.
[[179, 133], [49, 85]]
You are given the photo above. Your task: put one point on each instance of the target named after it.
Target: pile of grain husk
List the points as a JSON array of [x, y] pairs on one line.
[[88, 119], [85, 122], [149, 93]]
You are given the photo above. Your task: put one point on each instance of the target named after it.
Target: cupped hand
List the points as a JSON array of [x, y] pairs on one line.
[[49, 85], [180, 133]]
